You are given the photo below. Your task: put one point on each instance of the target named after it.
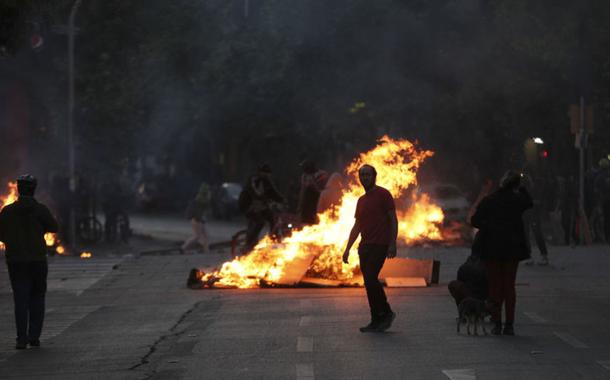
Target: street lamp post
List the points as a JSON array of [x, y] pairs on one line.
[[70, 131]]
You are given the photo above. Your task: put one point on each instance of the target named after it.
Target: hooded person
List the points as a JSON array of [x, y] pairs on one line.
[[22, 228]]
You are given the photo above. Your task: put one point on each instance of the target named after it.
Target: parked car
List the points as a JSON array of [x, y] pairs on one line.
[[225, 199], [450, 199]]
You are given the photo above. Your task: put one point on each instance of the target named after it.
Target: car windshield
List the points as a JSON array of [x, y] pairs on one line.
[[447, 192], [233, 189]]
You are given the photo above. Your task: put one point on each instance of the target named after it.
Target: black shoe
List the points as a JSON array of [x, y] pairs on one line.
[[21, 345], [34, 342], [508, 330], [497, 330], [371, 327], [386, 321]]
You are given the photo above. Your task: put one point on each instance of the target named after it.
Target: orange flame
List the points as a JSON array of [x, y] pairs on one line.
[[8, 199], [11, 197], [86, 255], [396, 162], [49, 238]]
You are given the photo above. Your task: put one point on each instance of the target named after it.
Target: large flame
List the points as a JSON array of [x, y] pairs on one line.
[[50, 238], [396, 162]]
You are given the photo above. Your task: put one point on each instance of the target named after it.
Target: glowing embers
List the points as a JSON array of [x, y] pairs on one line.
[[319, 247]]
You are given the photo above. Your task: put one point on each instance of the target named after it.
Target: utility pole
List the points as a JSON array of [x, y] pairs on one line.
[[70, 130], [582, 134]]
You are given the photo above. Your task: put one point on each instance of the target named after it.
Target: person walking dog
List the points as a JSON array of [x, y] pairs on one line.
[[499, 217]]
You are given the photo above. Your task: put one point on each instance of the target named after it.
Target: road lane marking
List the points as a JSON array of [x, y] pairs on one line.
[[605, 364], [569, 339], [305, 372], [460, 374], [534, 317], [305, 344], [305, 321]]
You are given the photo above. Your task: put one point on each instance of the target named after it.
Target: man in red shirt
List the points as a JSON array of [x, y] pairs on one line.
[[377, 224]]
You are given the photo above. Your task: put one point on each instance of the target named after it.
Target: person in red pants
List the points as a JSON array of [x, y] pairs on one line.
[[499, 217]]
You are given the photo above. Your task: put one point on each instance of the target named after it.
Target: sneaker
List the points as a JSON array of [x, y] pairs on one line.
[[386, 322], [508, 330], [21, 344], [34, 342], [371, 327], [543, 261], [497, 330]]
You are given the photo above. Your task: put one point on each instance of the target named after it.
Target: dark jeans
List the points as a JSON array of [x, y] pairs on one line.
[[533, 223], [372, 258], [29, 283], [256, 222], [502, 276]]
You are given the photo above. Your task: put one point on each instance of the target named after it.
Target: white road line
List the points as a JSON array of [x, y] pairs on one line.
[[305, 372], [305, 344], [534, 317], [460, 374], [58, 322], [305, 321], [605, 364], [569, 339]]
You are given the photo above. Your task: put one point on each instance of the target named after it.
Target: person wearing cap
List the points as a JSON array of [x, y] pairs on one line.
[[22, 228], [255, 202], [499, 217]]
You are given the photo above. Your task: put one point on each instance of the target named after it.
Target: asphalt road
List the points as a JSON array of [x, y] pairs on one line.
[[131, 317]]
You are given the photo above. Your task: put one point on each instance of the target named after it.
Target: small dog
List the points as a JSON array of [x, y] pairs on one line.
[[472, 311]]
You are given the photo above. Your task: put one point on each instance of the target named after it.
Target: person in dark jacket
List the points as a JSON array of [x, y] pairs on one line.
[[255, 201], [312, 184], [22, 228], [471, 281], [499, 217]]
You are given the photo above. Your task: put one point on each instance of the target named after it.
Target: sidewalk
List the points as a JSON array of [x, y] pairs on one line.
[[170, 228]]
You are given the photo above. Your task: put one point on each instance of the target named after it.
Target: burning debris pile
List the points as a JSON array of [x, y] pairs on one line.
[[319, 248], [51, 239]]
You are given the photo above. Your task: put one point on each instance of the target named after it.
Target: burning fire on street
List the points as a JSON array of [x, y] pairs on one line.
[[51, 239], [420, 221]]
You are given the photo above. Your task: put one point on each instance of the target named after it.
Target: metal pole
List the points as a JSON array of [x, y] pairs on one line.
[[246, 8], [581, 179], [70, 131]]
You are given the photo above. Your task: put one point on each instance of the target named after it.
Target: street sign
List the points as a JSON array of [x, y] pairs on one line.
[[574, 114]]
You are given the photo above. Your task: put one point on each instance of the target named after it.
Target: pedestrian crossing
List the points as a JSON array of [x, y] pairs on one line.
[[67, 276]]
